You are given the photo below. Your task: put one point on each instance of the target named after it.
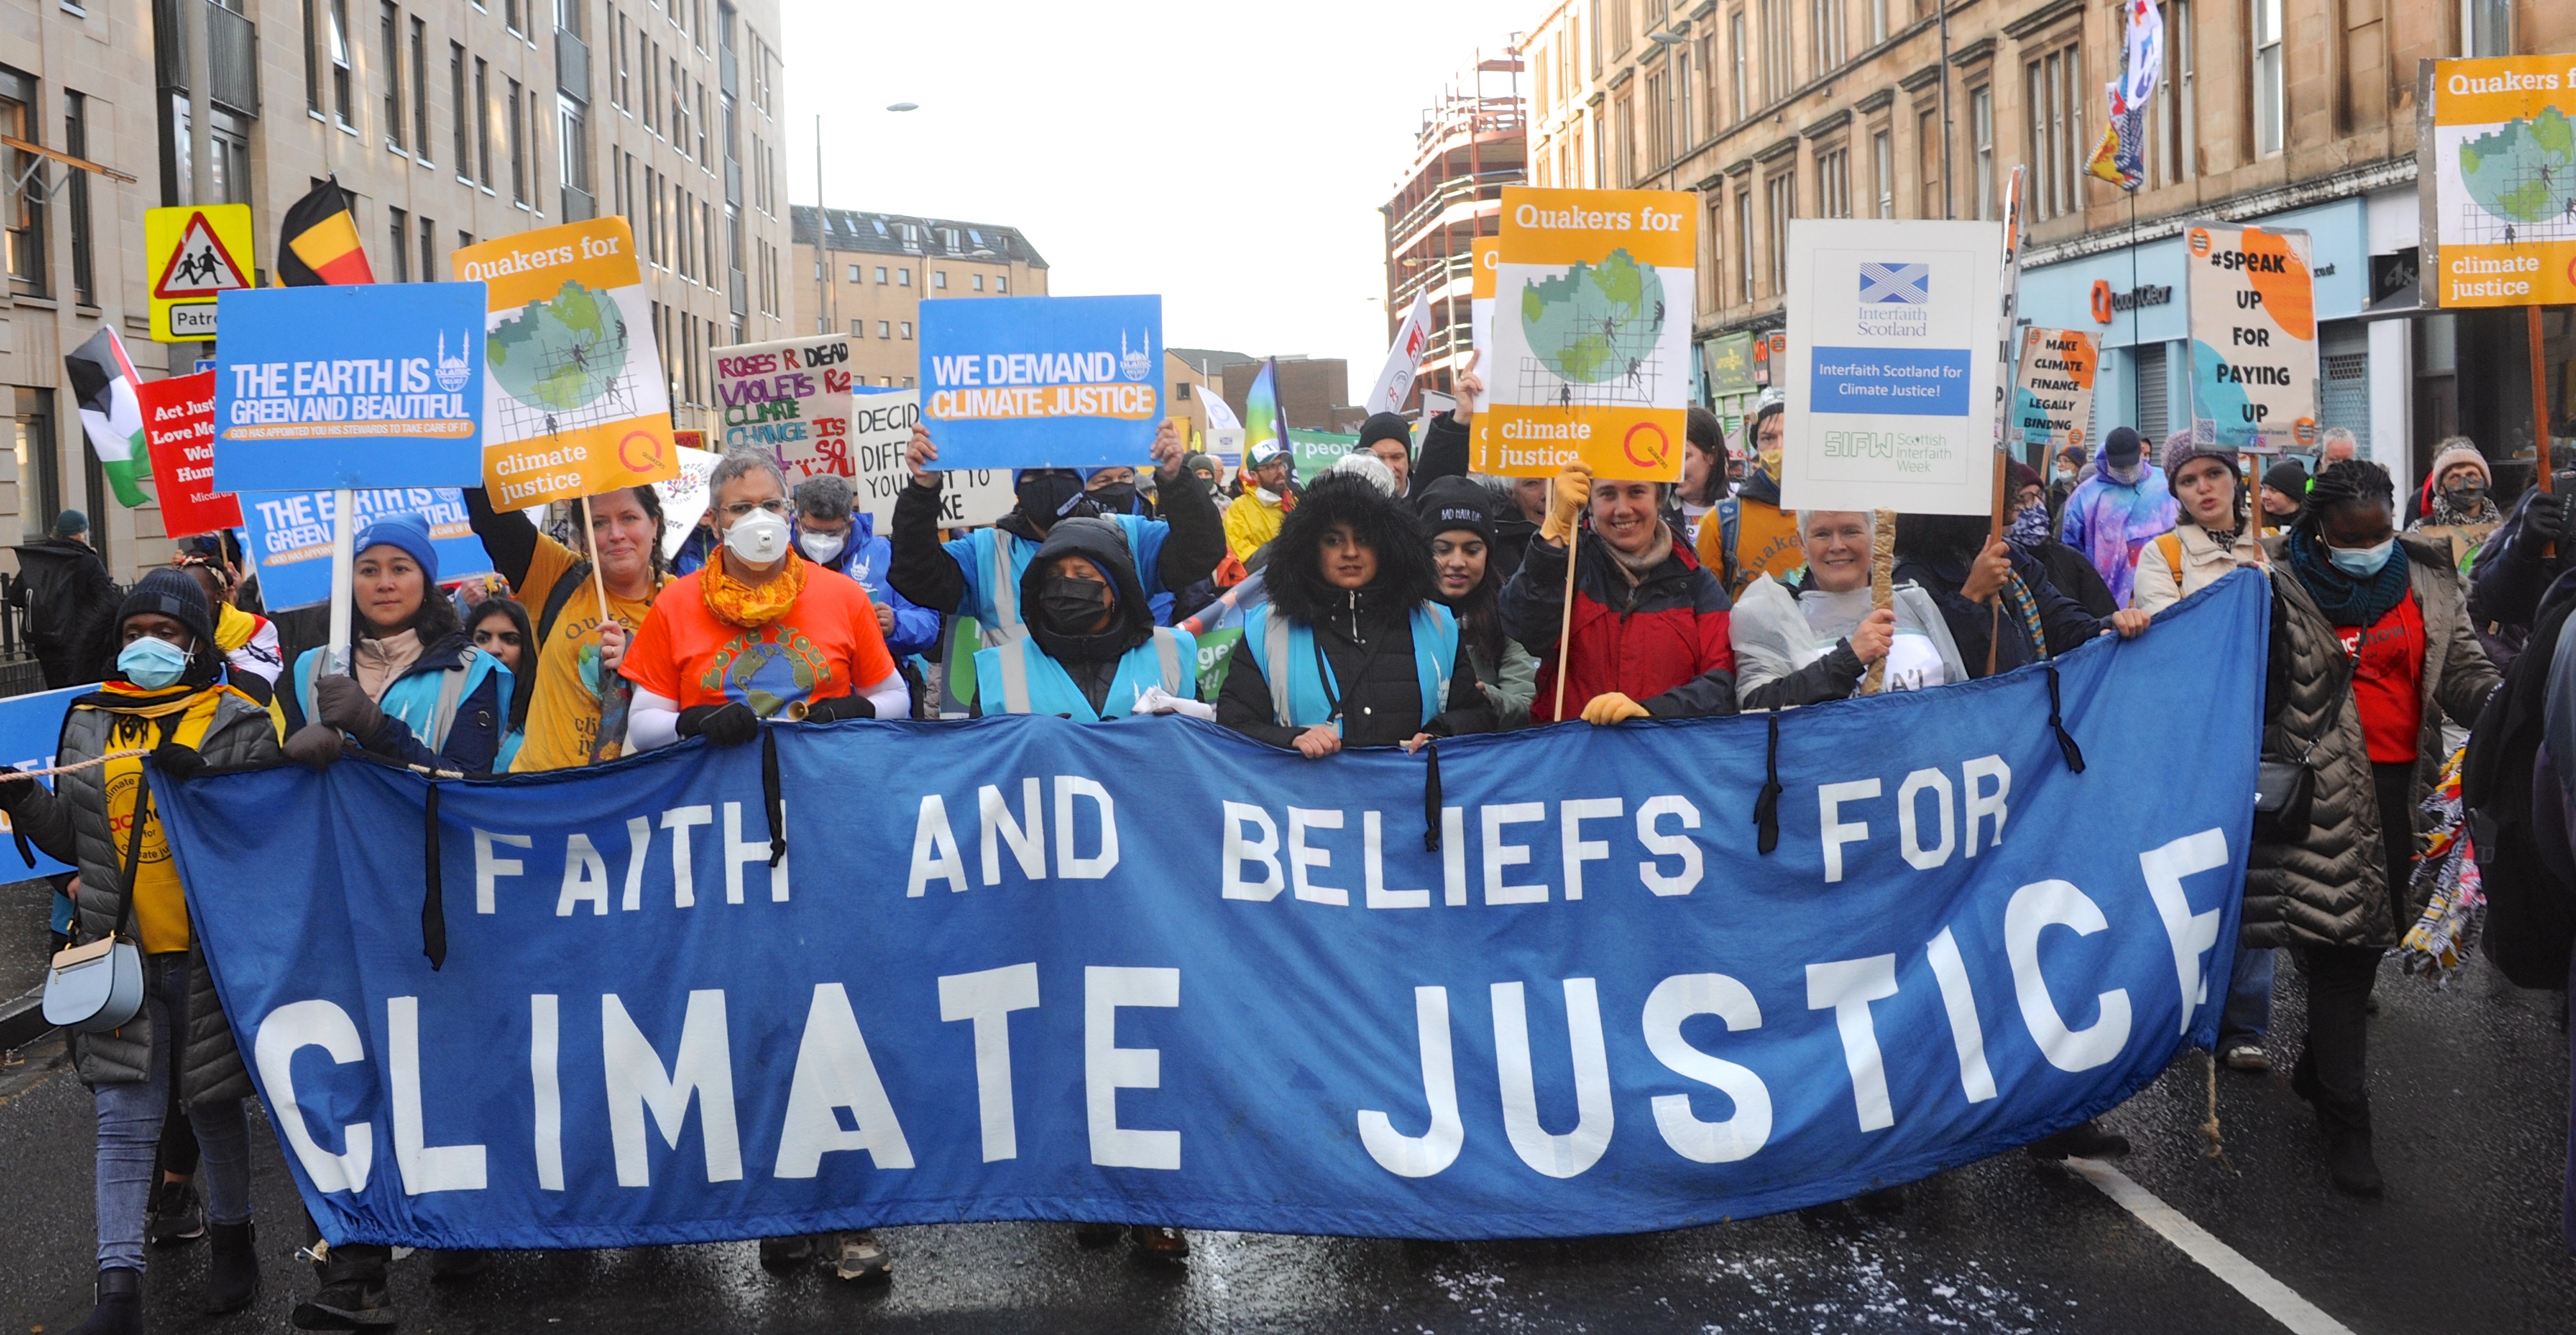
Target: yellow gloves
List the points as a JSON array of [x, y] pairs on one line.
[[1570, 491], [1611, 707]]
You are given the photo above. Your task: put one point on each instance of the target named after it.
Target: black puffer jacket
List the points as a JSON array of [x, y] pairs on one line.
[[1366, 634]]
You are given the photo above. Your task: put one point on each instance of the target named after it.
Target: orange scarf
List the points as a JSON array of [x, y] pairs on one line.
[[749, 606]]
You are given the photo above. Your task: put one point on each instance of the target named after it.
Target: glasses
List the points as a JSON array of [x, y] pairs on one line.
[[738, 509], [508, 637]]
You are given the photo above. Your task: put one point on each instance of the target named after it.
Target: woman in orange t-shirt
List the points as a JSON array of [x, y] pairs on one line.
[[756, 632]]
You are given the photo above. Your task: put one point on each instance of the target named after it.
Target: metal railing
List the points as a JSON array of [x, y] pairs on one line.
[[232, 61], [572, 66]]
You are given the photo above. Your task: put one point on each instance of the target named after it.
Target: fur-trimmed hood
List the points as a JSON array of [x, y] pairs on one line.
[[1295, 574]]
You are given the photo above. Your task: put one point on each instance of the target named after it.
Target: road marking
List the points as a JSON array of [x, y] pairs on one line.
[[2276, 1299]]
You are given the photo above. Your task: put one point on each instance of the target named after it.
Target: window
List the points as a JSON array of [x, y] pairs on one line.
[[885, 329], [389, 21], [1776, 75], [903, 278], [939, 279], [1882, 170], [881, 277], [342, 95], [621, 87], [2056, 133], [2179, 159], [2486, 27], [854, 273], [420, 88], [456, 105], [1827, 18], [40, 467], [1833, 183], [76, 143], [1981, 134], [1744, 244], [483, 123], [1659, 147], [979, 282], [400, 251], [1783, 205], [1685, 130], [1935, 202], [572, 148], [906, 326], [1743, 64], [518, 146], [1625, 114], [312, 57], [1877, 21], [25, 237], [2267, 77], [1001, 282], [428, 249]]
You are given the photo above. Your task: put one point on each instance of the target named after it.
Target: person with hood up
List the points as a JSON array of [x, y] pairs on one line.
[[2285, 486], [1350, 649], [1254, 517], [1981, 583], [415, 691], [1458, 514], [1650, 622], [1092, 649], [2030, 531], [1813, 640], [2457, 490], [1753, 535], [979, 574], [164, 699], [2111, 515], [2371, 648], [836, 535], [2213, 533], [65, 590]]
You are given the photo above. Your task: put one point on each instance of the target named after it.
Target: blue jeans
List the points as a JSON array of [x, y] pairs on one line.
[[2248, 1015], [129, 1130]]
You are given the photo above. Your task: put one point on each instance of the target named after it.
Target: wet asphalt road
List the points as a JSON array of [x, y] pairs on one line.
[[2470, 1088]]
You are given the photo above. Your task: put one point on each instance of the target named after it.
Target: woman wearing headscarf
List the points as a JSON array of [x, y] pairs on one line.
[[166, 700], [2371, 648], [1458, 513]]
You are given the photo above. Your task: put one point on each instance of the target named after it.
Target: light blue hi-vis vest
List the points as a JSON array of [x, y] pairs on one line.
[[1021, 678], [426, 702], [995, 561], [1297, 694]]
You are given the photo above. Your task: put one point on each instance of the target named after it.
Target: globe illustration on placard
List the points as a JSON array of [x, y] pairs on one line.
[[2524, 172], [1595, 323], [562, 354]]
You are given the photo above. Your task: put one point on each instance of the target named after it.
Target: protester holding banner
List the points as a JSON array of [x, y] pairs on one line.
[[756, 634], [834, 534], [2029, 531], [1093, 649], [1813, 640], [500, 628], [2111, 515], [1458, 512], [2371, 648], [1753, 535], [1966, 571], [1254, 517], [415, 691], [2522, 559], [1650, 622], [575, 652], [2213, 532], [979, 574], [165, 700], [1351, 650]]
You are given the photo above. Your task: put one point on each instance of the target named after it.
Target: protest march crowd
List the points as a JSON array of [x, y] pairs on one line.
[[1391, 601]]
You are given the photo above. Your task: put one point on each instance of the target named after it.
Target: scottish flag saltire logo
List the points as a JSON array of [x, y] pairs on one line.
[[1896, 284]]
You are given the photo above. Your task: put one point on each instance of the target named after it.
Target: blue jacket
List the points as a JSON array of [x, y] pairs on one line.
[[2111, 523], [1021, 678], [1297, 693], [466, 736], [916, 628], [976, 557]]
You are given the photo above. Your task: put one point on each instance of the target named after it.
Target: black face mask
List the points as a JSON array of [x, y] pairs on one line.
[[2465, 492], [1116, 498], [1043, 496], [1073, 606]]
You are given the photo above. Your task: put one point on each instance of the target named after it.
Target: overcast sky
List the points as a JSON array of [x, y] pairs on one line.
[[1229, 156]]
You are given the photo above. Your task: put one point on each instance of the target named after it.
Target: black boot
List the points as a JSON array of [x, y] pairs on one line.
[[353, 1296], [120, 1304], [232, 1268], [2084, 1140], [2350, 1163]]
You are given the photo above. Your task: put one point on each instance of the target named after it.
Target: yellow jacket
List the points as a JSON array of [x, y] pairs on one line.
[[1250, 523]]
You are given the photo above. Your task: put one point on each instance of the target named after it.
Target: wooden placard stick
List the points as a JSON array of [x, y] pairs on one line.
[[1882, 585], [1565, 622]]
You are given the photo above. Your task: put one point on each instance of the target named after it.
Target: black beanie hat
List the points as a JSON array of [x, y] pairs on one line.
[[1454, 503], [2289, 479], [1385, 426], [173, 594], [2122, 447]]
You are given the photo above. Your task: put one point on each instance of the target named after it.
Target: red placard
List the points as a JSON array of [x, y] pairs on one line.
[[179, 430]]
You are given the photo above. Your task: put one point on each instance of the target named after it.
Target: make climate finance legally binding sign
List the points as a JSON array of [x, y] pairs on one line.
[[1890, 366], [2052, 402], [374, 386], [1042, 382], [1590, 358], [2253, 338]]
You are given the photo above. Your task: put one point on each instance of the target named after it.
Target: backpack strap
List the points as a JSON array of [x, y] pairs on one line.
[[565, 586], [2170, 543]]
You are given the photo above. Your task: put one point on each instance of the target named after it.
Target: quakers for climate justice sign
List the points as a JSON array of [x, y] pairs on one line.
[[1153, 971]]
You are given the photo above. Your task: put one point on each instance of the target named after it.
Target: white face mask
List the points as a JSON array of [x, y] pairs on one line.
[[822, 546], [759, 537]]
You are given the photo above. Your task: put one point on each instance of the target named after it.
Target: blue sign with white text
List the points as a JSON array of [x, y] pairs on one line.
[[1152, 971], [1925, 382], [377, 385], [1042, 382], [290, 537], [30, 727]]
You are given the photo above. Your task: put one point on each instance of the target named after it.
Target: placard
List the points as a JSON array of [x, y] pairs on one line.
[[1591, 336], [574, 401], [290, 538], [881, 423], [2497, 140], [1042, 382], [1480, 329], [30, 728], [2052, 403], [378, 385], [179, 432], [789, 399], [2253, 338], [1889, 366]]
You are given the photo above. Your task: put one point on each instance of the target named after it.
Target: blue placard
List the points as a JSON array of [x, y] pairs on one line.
[[1042, 382], [289, 536], [375, 386], [30, 725], [1923, 382]]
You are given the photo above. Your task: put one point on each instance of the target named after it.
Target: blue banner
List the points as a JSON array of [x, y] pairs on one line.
[[1042, 382], [378, 385], [30, 727], [1150, 971], [290, 537], [1925, 382]]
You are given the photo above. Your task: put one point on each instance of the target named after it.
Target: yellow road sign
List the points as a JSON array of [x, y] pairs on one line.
[[195, 253]]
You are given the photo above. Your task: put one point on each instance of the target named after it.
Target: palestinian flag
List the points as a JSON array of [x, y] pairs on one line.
[[103, 382], [317, 245]]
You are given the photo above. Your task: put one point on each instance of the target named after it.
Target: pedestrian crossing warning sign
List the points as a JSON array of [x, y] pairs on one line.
[[196, 253]]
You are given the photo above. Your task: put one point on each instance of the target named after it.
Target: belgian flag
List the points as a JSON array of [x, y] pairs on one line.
[[317, 245]]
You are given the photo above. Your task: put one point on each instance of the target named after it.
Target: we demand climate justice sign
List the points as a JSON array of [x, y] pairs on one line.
[[1022, 968]]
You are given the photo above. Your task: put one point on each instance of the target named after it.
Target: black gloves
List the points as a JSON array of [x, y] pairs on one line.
[[179, 762], [729, 724], [840, 707], [343, 703], [314, 746], [14, 788], [2544, 519]]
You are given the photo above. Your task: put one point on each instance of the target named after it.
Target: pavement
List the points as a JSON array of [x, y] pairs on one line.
[[2469, 1084]]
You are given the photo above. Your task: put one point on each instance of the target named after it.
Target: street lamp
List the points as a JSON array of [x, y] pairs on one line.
[[903, 106]]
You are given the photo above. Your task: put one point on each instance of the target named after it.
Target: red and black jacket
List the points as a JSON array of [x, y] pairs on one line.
[[1661, 641]]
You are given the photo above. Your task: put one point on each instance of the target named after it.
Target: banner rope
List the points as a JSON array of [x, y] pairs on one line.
[[78, 765], [2209, 1130]]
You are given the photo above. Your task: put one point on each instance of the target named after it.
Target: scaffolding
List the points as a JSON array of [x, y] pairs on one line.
[[1471, 143]]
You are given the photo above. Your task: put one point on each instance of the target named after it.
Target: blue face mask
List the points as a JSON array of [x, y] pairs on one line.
[[152, 663], [2361, 562]]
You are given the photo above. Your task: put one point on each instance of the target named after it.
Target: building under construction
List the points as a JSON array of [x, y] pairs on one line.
[[1472, 143]]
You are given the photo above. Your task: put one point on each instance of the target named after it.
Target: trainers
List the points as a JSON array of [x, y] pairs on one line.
[[2246, 1057], [786, 1253], [1155, 1243], [863, 1259], [349, 1304], [2084, 1140], [174, 1216]]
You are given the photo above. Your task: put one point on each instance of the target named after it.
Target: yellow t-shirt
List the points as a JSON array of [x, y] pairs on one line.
[[563, 717]]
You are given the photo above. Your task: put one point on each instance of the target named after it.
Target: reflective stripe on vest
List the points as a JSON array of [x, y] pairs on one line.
[[1274, 645], [1011, 665], [1013, 661], [1168, 647], [1275, 666], [1007, 628]]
